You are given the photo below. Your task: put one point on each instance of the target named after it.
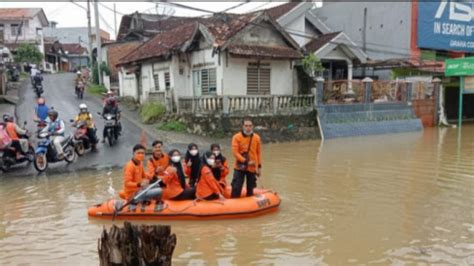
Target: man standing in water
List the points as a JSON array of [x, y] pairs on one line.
[[246, 147]]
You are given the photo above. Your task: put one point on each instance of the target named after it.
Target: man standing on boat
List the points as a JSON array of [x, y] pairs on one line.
[[246, 148]]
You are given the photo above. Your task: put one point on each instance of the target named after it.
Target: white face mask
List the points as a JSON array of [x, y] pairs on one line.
[[193, 152], [216, 153], [176, 158], [210, 162], [248, 133]]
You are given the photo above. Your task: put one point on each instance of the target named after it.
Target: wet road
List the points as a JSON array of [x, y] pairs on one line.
[[59, 93]]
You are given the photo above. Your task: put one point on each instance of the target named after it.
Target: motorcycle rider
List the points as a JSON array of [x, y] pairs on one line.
[[55, 128], [111, 107], [41, 110], [14, 132], [38, 78], [79, 78], [86, 116]]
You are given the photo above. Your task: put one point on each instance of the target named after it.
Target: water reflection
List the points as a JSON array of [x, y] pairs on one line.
[[392, 199]]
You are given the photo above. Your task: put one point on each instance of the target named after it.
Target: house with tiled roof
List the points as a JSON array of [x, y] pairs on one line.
[[225, 54], [22, 25], [337, 52]]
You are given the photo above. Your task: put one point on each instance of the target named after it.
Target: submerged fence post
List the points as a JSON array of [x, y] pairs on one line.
[[136, 245], [368, 89], [409, 92], [319, 91]]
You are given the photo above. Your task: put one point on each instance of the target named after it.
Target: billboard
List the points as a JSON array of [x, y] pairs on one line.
[[446, 25]]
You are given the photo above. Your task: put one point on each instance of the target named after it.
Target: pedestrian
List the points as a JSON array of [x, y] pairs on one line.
[[246, 148], [221, 169], [134, 178], [193, 163], [175, 179], [158, 161], [207, 187]]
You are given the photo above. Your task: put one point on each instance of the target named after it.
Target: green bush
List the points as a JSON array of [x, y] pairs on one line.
[[151, 112], [95, 75], [175, 126], [97, 89]]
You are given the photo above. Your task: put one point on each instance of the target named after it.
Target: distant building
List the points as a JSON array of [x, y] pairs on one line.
[[22, 26], [72, 35]]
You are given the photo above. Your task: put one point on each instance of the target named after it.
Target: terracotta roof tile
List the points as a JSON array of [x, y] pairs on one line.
[[322, 40], [116, 51], [162, 44], [270, 52], [18, 13], [74, 49]]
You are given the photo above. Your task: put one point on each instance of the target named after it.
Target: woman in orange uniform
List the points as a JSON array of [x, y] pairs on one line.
[[175, 180], [221, 169], [207, 187], [193, 163]]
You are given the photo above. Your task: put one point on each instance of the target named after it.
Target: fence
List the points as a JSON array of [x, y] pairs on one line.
[[259, 104]]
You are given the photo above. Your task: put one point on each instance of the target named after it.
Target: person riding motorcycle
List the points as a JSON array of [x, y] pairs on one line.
[[86, 116], [79, 78], [37, 79], [14, 132], [111, 107], [55, 128], [41, 110]]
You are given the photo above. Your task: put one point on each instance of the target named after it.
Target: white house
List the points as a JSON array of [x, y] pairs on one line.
[[23, 25], [225, 54]]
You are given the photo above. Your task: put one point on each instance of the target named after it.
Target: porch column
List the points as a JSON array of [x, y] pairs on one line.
[[349, 77]]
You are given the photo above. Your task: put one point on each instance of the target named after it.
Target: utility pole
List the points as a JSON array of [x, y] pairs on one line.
[[89, 31], [115, 21], [97, 38]]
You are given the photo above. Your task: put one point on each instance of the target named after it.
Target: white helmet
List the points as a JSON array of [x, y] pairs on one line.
[[83, 106], [78, 72]]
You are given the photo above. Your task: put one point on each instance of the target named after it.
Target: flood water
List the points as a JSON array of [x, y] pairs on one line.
[[394, 199]]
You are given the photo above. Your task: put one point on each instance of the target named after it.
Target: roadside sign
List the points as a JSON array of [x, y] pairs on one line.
[[460, 67]]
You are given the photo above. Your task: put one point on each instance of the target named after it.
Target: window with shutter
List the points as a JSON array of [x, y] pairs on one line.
[[156, 80], [205, 81], [258, 79], [167, 81]]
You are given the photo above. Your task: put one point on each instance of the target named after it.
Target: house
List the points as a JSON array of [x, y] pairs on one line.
[[337, 52], [225, 54], [65, 57], [73, 35], [22, 26]]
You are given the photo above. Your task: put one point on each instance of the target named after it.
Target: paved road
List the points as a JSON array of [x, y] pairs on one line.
[[59, 92]]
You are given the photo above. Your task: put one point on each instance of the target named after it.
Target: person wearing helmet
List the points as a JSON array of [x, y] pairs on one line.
[[111, 108], [86, 116], [41, 110], [55, 128], [14, 132], [79, 78]]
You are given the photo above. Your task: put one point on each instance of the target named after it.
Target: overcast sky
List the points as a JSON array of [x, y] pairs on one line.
[[68, 14]]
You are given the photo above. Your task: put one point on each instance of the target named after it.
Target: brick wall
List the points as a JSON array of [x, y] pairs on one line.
[[426, 111]]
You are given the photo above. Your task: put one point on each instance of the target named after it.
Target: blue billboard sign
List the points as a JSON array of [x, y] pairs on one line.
[[446, 25]]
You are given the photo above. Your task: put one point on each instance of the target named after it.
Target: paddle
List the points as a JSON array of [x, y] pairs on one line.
[[135, 198]]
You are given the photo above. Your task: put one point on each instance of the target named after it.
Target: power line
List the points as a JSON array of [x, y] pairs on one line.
[[110, 9], [234, 7]]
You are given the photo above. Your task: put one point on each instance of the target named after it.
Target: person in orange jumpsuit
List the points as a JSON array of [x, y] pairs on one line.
[[221, 169], [135, 179], [207, 187], [175, 180], [193, 163], [246, 148], [158, 162]]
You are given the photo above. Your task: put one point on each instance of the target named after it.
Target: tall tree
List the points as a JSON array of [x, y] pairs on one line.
[[28, 53]]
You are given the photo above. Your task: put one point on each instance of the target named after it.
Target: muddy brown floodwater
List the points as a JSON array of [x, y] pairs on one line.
[[393, 199]]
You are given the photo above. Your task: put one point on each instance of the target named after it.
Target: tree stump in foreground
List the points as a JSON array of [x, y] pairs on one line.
[[136, 245]]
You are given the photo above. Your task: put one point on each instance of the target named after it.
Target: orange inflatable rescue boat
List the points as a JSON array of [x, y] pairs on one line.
[[262, 202]]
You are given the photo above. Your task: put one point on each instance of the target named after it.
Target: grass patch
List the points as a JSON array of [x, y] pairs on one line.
[[24, 75], [175, 126], [97, 89], [151, 112]]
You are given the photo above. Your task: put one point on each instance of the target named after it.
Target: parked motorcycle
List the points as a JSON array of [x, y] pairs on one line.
[[80, 89], [8, 155], [14, 75], [45, 152], [81, 140], [111, 128]]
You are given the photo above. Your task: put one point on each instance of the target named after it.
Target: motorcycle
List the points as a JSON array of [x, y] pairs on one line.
[[81, 140], [8, 155], [40, 125], [111, 128], [80, 90], [45, 152], [38, 89], [14, 75]]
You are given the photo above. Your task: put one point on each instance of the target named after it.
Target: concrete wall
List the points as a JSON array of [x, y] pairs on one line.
[[298, 25], [28, 31], [128, 85], [388, 25], [264, 34]]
